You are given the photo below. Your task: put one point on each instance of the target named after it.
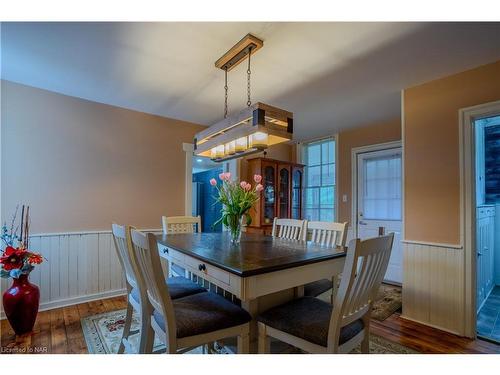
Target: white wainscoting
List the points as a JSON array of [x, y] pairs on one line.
[[433, 285], [79, 267]]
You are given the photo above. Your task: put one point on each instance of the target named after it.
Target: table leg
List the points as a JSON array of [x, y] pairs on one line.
[[298, 291], [252, 306], [261, 304]]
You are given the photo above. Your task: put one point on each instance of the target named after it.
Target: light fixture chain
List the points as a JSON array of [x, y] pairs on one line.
[[249, 102], [225, 93]]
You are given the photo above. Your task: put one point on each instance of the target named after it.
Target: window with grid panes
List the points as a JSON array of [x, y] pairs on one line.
[[319, 186]]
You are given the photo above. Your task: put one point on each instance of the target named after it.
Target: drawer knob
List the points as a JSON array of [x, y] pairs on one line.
[[202, 267]]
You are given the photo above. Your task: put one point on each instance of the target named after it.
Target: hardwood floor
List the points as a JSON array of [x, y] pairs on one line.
[[59, 331]]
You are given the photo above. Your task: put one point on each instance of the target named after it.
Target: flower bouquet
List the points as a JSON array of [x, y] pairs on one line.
[[237, 199], [21, 300]]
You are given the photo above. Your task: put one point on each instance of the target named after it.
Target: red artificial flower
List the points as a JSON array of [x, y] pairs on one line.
[[13, 258], [34, 258]]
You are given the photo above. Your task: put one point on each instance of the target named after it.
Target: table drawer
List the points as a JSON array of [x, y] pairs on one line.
[[202, 268], [176, 256]]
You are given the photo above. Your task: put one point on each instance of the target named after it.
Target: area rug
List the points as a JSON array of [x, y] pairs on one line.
[[388, 301], [103, 333]]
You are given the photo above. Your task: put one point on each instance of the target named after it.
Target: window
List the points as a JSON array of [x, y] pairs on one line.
[[382, 188], [319, 189]]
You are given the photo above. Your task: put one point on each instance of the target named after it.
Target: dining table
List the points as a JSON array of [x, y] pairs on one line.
[[261, 271]]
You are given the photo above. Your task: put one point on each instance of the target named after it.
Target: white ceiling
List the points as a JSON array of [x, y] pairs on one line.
[[331, 75]]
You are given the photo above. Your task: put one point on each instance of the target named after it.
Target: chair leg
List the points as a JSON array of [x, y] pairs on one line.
[[264, 340], [244, 343], [335, 280], [147, 332], [365, 344], [126, 328]]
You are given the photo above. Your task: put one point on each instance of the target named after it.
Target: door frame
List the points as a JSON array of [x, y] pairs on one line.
[[354, 180], [467, 155]]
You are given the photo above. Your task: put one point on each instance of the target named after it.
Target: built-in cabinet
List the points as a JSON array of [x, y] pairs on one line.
[[485, 239], [282, 195]]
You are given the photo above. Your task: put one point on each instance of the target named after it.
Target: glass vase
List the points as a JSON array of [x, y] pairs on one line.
[[235, 229]]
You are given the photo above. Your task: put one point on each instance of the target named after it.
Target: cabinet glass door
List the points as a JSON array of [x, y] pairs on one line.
[[269, 194], [297, 194], [284, 192]]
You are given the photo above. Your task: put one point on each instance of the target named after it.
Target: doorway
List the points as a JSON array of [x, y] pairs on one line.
[[204, 203], [377, 203], [487, 181], [478, 217]]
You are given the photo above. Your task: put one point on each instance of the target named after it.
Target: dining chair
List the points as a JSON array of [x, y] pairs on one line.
[[180, 224], [136, 288], [188, 322], [327, 234], [316, 326], [291, 229]]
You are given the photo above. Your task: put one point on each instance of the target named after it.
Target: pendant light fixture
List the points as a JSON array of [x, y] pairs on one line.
[[252, 130]]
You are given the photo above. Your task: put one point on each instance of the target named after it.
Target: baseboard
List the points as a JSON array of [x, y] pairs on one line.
[[431, 325], [76, 300]]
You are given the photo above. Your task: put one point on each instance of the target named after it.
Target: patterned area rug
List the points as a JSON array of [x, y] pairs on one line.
[[387, 303], [103, 333]]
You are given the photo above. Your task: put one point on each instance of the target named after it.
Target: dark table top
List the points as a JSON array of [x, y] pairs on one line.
[[255, 255]]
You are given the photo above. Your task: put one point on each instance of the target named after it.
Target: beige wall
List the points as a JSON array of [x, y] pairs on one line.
[[346, 141], [81, 165], [431, 150]]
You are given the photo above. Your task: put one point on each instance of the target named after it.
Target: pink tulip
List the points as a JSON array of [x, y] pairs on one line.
[[257, 178], [222, 176], [259, 187], [243, 184], [228, 176], [248, 187], [213, 182]]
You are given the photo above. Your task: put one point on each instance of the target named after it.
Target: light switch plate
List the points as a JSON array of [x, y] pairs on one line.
[[344, 198]]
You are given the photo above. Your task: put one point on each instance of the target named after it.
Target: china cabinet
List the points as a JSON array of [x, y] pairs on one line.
[[282, 194]]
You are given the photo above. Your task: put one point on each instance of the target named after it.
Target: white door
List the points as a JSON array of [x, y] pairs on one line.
[[379, 202]]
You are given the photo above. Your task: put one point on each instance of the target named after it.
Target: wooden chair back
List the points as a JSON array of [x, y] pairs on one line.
[[145, 249], [327, 233], [291, 229], [364, 269], [181, 224], [123, 246]]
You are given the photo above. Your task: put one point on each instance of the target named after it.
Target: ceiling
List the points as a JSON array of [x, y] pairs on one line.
[[333, 76]]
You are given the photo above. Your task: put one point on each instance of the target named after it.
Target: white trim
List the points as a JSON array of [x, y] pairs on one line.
[[403, 209], [76, 300], [188, 183], [336, 196], [466, 117], [103, 231], [355, 151], [434, 244]]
